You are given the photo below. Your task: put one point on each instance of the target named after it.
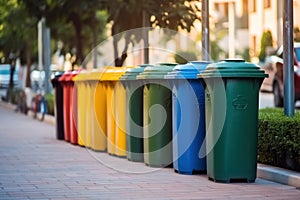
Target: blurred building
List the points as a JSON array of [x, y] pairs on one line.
[[267, 15], [231, 15]]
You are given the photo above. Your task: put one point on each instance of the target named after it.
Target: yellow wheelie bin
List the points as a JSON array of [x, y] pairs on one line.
[[120, 117], [110, 78], [88, 110], [99, 112], [81, 103]]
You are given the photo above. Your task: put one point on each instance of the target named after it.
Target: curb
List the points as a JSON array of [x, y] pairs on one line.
[[278, 175], [267, 172]]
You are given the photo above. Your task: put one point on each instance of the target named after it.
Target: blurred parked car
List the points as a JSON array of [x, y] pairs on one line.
[[5, 75], [274, 67]]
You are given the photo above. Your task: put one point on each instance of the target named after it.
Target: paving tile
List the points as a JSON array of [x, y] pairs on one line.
[[34, 165]]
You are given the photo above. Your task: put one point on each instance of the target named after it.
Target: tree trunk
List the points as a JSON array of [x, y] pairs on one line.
[[28, 63], [95, 50], [78, 28], [115, 44], [119, 60], [9, 94], [11, 75]]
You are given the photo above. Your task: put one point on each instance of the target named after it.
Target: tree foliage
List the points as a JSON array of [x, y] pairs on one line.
[[88, 24], [17, 36], [17, 28], [81, 24], [128, 14]]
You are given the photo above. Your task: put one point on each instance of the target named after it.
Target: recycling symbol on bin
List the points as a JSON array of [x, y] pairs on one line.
[[240, 103]]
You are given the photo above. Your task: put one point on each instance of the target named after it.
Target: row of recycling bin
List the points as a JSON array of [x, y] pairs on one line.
[[197, 117]]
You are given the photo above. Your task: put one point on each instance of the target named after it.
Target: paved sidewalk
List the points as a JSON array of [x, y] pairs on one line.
[[34, 165]]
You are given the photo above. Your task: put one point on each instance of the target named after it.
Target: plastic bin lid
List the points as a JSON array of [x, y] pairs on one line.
[[92, 75], [68, 76], [188, 70], [113, 73], [231, 68], [57, 74], [81, 76], [55, 78], [132, 73], [64, 76], [155, 72], [96, 74]]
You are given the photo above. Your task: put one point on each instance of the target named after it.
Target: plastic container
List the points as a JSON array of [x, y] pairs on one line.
[[58, 104], [82, 101], [134, 114], [70, 130], [110, 79], [157, 117], [188, 105], [231, 98], [98, 106], [74, 109]]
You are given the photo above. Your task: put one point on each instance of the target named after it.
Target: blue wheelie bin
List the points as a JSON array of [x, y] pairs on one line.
[[188, 118]]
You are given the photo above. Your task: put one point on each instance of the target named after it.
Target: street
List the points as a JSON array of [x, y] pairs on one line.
[[266, 100]]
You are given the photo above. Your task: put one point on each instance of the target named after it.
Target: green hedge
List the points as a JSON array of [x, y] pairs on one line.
[[279, 139], [50, 103]]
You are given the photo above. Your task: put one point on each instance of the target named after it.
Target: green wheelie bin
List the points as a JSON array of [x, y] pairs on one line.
[[157, 119], [231, 100], [134, 114]]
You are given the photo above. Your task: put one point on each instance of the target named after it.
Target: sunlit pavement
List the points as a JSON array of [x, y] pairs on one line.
[[34, 165]]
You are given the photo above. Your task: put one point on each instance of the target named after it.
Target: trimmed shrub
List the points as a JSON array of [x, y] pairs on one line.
[[279, 138]]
